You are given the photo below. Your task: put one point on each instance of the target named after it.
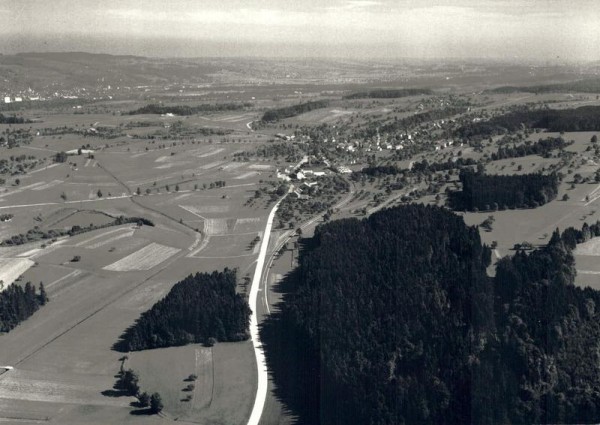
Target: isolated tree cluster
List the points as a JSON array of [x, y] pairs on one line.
[[198, 308], [484, 191], [291, 111]]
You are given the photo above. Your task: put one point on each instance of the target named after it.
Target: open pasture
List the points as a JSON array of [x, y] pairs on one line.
[[221, 380], [536, 225], [228, 246], [524, 165], [70, 216], [587, 260]]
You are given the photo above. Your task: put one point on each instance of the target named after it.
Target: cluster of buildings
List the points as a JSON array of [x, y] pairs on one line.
[[54, 91]]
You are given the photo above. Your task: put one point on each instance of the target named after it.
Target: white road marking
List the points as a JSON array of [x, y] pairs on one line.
[[261, 390]]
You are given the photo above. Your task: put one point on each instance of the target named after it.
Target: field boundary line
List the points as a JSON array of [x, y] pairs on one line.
[[74, 273]]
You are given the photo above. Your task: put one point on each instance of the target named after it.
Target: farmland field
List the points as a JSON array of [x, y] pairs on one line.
[[12, 268], [204, 185], [144, 259]]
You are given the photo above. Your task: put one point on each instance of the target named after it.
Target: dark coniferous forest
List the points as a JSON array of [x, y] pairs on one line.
[[17, 303], [542, 147], [484, 192], [198, 308], [187, 110], [403, 326], [291, 111], [584, 118], [12, 119], [387, 93]]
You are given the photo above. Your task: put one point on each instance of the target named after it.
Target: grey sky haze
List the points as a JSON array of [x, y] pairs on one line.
[[536, 29]]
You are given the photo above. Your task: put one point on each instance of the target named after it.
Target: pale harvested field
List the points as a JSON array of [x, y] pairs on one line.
[[12, 268], [233, 166], [589, 248], [48, 185], [260, 167], [90, 240], [241, 221], [182, 196], [588, 269], [215, 226], [211, 165], [211, 153], [144, 259], [247, 175], [113, 239], [165, 166], [203, 209]]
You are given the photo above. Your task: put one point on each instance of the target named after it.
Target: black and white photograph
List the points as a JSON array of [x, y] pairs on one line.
[[277, 212]]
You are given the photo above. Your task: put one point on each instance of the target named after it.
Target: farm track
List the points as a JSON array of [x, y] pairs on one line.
[[139, 204]]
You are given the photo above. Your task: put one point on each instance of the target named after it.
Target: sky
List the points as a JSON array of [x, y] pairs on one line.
[[521, 29]]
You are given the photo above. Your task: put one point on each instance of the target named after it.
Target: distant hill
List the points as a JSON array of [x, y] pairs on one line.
[[67, 70], [41, 71]]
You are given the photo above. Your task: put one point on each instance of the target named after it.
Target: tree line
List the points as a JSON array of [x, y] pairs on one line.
[[128, 382], [200, 308], [484, 191], [423, 166], [543, 147], [421, 118], [18, 303], [6, 119], [388, 93], [188, 110], [37, 234]]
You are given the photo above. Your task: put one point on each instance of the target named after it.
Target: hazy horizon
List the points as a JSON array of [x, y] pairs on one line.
[[549, 30]]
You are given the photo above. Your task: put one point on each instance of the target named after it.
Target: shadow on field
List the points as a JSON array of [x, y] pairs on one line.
[[122, 345], [114, 393], [293, 369], [141, 412]]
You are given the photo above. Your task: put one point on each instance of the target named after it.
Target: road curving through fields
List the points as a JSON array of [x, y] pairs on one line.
[[261, 364]]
